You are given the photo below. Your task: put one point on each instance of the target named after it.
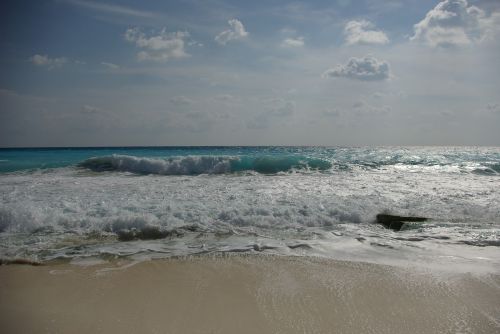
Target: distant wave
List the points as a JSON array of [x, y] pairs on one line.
[[195, 165]]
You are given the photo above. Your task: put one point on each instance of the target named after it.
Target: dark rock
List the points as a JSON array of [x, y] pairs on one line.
[[396, 222]]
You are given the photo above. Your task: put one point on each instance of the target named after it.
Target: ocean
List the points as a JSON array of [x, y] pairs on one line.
[[89, 204]]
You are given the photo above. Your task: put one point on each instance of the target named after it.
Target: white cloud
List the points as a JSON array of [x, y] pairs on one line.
[[110, 65], [366, 69], [293, 42], [454, 23], [235, 32], [162, 47], [50, 63], [361, 32]]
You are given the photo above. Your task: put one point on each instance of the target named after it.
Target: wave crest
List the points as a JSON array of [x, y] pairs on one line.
[[195, 165], [173, 166]]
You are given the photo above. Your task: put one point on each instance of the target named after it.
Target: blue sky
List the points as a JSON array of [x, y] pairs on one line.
[[97, 73]]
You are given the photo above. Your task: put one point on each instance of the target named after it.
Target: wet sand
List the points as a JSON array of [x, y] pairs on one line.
[[244, 294]]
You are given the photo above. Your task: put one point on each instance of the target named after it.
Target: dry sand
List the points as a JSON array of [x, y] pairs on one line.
[[244, 294]]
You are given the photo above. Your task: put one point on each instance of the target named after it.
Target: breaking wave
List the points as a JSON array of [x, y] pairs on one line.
[[195, 165]]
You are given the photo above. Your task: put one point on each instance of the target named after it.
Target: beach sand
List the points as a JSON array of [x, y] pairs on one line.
[[244, 294]]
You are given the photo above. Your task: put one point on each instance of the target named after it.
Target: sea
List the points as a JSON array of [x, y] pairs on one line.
[[87, 205]]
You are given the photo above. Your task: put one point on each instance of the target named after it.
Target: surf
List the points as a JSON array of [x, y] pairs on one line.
[[195, 165]]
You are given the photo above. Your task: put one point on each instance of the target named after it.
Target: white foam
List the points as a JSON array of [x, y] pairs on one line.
[[62, 208]]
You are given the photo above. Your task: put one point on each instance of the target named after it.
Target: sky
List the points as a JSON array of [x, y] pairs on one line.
[[215, 72]]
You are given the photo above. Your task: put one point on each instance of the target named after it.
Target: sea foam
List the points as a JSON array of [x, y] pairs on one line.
[[300, 201]]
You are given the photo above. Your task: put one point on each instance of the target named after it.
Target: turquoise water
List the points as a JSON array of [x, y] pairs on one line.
[[260, 159]]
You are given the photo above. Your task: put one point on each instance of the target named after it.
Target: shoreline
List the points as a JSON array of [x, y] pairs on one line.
[[244, 294]]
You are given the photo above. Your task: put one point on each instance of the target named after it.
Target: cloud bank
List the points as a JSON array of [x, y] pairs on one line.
[[454, 23]]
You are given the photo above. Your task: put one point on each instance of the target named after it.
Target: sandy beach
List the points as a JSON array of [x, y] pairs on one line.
[[267, 167], [244, 294]]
